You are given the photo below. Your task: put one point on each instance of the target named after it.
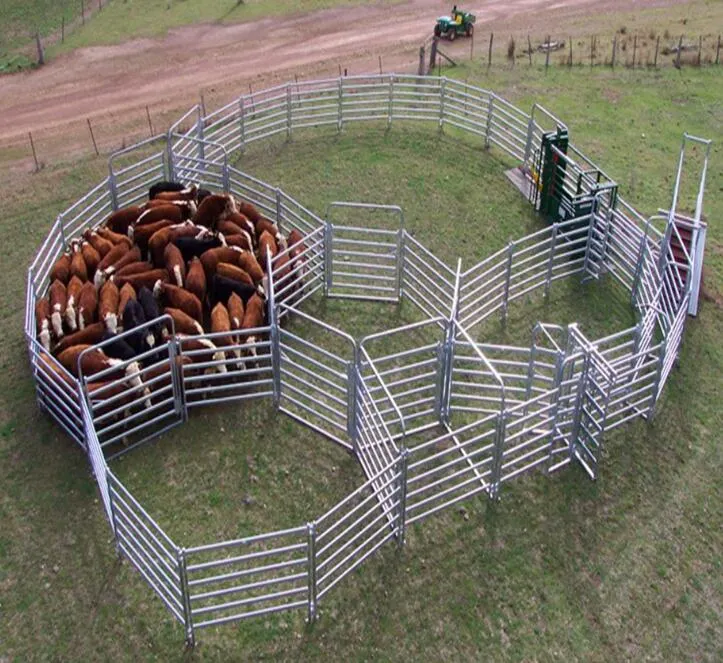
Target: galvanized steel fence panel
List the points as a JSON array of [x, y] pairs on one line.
[[247, 577], [129, 181], [147, 547]]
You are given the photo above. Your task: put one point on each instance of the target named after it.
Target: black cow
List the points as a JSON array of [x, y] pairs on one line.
[[158, 187], [119, 348], [190, 247], [222, 288]]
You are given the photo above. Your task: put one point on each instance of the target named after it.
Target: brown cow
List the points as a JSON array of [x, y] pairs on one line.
[[42, 321], [127, 292], [203, 350], [114, 238], [254, 316], [75, 285], [248, 210], [236, 317], [147, 279], [221, 323], [229, 271], [58, 295], [95, 361], [91, 257], [77, 264], [133, 268], [87, 305], [141, 235], [247, 261], [100, 244], [176, 297], [122, 219], [188, 194], [242, 222], [61, 269], [242, 240], [183, 323], [91, 335], [108, 307], [212, 257], [168, 212], [110, 258], [196, 279], [174, 264], [214, 208], [267, 244]]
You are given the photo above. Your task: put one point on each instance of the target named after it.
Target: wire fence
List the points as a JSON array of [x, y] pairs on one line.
[[440, 419]]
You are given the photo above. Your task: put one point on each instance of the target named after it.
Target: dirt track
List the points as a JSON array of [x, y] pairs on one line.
[[168, 73]]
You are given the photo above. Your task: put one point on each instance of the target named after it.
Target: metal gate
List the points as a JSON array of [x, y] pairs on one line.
[[315, 381], [364, 262]]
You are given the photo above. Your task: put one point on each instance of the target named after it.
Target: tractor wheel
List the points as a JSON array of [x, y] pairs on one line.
[[452, 34]]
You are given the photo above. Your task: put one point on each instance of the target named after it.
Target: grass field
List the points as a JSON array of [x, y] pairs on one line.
[[626, 568], [119, 20]]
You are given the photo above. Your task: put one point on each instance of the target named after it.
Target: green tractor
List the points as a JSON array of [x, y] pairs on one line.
[[459, 24]]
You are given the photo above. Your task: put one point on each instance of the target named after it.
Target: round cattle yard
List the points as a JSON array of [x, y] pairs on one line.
[[334, 329]]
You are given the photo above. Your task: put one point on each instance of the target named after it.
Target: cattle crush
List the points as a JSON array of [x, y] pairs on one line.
[[431, 425]]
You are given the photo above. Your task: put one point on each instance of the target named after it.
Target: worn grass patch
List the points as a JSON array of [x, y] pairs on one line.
[[628, 567]]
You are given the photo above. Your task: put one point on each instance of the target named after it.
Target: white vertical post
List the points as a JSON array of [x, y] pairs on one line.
[[185, 596], [390, 111], [242, 122], [288, 111], [402, 502], [311, 572], [551, 261], [490, 111], [340, 117], [442, 95], [508, 278], [199, 135]]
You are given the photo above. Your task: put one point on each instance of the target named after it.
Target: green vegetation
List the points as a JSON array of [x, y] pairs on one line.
[[625, 568]]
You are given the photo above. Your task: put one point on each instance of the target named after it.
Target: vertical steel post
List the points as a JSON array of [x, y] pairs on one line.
[[400, 264], [185, 597], [530, 373], [559, 374], [579, 402], [586, 273], [442, 94], [402, 503], [508, 278], [169, 156], [288, 111], [658, 378], [351, 403], [311, 571], [275, 351], [61, 224], [441, 353], [494, 486], [328, 257], [112, 187], [340, 116], [551, 261], [225, 175], [113, 516], [639, 265], [390, 111], [242, 123], [528, 140], [278, 209], [199, 135], [490, 111]]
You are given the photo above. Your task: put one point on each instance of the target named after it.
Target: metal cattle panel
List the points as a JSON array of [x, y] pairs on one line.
[[365, 262], [315, 369], [247, 577], [134, 401]]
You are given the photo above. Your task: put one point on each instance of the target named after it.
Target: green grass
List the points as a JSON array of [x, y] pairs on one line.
[[626, 568], [120, 20]]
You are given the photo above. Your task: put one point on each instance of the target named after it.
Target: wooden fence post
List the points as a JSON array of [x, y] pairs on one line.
[[529, 49], [547, 53], [92, 137], [569, 59], [62, 28], [700, 49], [657, 48], [471, 46], [380, 65], [420, 69], [489, 55], [82, 11], [680, 48], [717, 52], [35, 156], [150, 124], [615, 46], [41, 52], [635, 48]]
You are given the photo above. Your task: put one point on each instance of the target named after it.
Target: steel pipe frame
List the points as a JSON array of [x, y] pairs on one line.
[[236, 125]]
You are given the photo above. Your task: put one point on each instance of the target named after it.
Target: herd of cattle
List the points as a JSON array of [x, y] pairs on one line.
[[197, 257]]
